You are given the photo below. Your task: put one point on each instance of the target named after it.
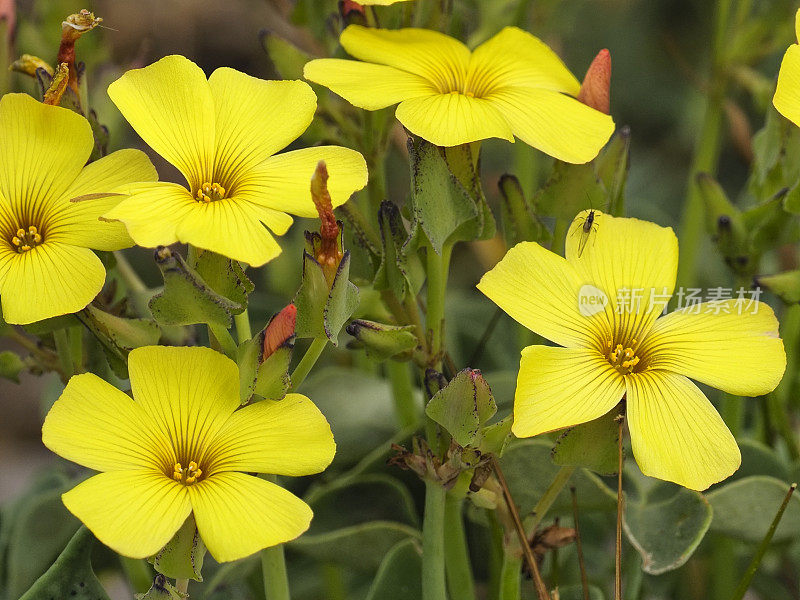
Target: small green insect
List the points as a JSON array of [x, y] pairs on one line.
[[587, 228]]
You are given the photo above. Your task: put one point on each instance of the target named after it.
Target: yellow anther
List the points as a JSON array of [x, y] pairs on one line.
[[624, 359], [25, 240], [469, 95], [187, 475], [209, 192], [20, 232], [15, 241]]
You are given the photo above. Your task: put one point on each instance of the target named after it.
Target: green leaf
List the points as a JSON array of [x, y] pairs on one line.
[[10, 365], [744, 509], [462, 406], [575, 592], [182, 557], [323, 311], [71, 576], [223, 275], [383, 341], [440, 202], [400, 575], [667, 532], [593, 445], [187, 299], [785, 285]]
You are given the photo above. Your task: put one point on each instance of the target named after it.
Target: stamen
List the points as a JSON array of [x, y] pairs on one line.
[[25, 240], [624, 359], [187, 475], [209, 192]]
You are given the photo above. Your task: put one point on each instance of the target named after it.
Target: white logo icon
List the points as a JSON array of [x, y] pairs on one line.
[[591, 300]]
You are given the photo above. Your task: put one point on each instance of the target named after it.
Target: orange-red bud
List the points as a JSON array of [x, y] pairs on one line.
[[596, 86], [279, 330], [8, 14], [328, 253]]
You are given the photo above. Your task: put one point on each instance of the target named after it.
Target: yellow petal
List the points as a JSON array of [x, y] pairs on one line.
[[556, 124], [562, 387], [787, 92], [255, 119], [453, 119], [285, 437], [633, 262], [94, 424], [188, 392], [49, 280], [239, 514], [77, 222], [797, 24], [440, 59], [367, 85], [170, 105], [42, 151], [676, 433], [732, 345], [135, 513], [541, 291], [151, 212], [514, 57], [231, 227], [283, 182]]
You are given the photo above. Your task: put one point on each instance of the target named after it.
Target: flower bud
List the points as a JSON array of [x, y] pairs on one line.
[[596, 86], [279, 330]]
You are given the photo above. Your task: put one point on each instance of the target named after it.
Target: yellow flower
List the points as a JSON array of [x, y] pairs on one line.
[[787, 93], [511, 85], [221, 134], [182, 447], [47, 267], [603, 306]]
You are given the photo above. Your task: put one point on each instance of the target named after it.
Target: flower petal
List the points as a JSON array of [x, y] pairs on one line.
[[732, 345], [283, 181], [556, 124], [231, 227], [42, 151], [94, 424], [170, 105], [453, 119], [787, 92], [562, 387], [437, 57], [152, 212], [633, 262], [49, 280], [285, 437], [77, 222], [239, 514], [189, 392], [541, 291], [514, 57], [367, 85], [135, 513], [676, 433], [255, 119]]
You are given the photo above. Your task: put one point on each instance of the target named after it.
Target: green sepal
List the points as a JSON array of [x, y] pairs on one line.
[[519, 221], [785, 285], [462, 406], [287, 59], [182, 557], [724, 223], [11, 365], [119, 335], [569, 190], [383, 341], [71, 576], [399, 270], [223, 275], [496, 437], [161, 590], [442, 207], [593, 445], [766, 222], [612, 166], [268, 379], [187, 299], [464, 163], [323, 311]]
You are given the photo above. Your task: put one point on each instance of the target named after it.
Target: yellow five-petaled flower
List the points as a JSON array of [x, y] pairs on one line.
[[221, 133], [183, 446], [787, 92], [603, 306], [50, 202], [511, 85]]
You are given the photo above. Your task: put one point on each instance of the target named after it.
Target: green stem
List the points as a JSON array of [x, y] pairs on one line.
[[273, 569], [128, 274], [405, 406], [76, 347], [549, 496], [137, 572], [744, 584], [223, 337], [778, 400], [706, 155], [182, 585], [64, 352], [459, 571], [510, 574], [723, 568], [437, 267], [243, 331], [433, 554], [307, 362], [559, 236]]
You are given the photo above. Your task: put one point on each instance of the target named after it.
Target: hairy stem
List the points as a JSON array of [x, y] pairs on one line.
[[459, 571], [433, 554], [307, 362]]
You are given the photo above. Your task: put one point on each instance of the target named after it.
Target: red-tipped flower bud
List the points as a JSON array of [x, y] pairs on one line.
[[279, 330], [596, 86]]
